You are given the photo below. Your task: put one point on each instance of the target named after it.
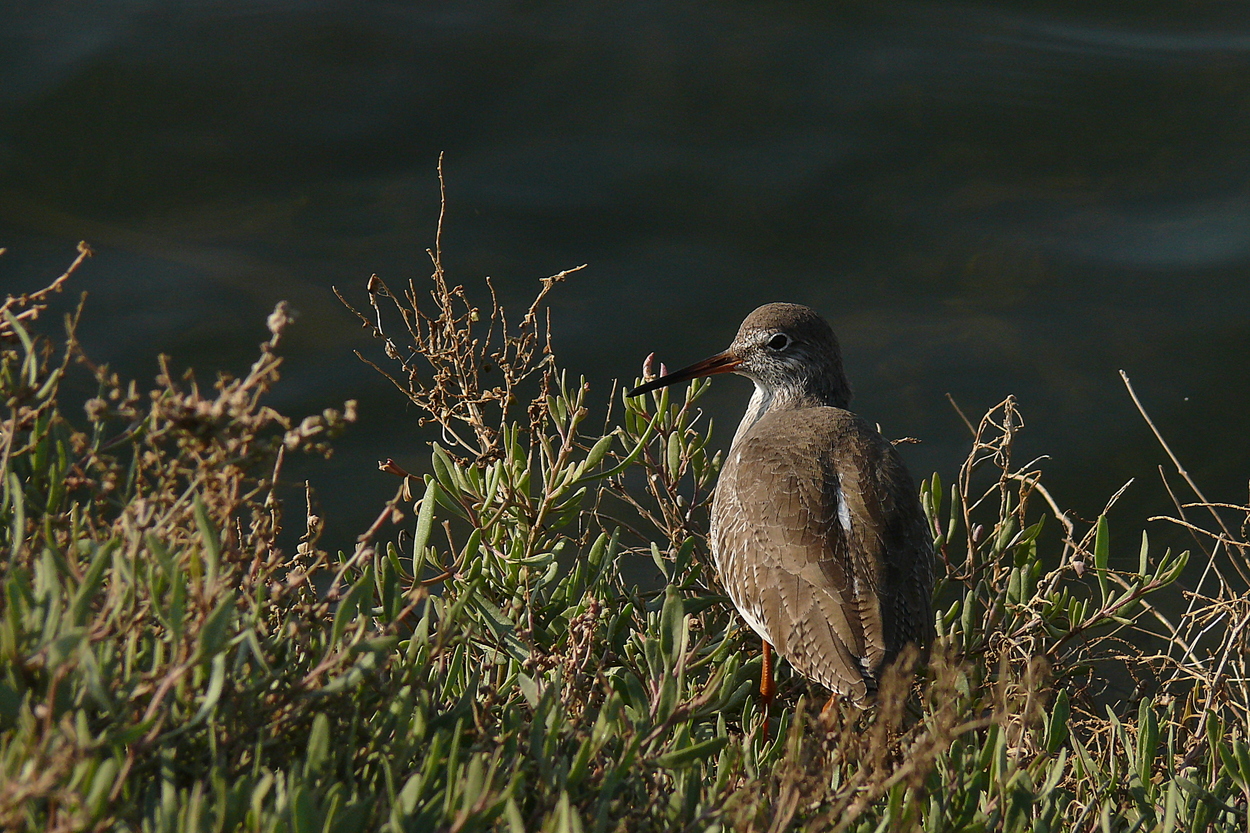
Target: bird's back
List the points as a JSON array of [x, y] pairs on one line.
[[821, 542]]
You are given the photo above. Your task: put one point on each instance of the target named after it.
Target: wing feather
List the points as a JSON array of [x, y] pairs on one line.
[[837, 602]]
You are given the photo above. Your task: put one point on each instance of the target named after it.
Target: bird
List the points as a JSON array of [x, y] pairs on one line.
[[817, 531]]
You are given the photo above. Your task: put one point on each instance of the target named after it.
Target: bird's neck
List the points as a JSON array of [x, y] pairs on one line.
[[760, 402], [768, 398]]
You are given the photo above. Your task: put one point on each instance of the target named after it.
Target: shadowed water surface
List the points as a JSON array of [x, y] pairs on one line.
[[983, 198]]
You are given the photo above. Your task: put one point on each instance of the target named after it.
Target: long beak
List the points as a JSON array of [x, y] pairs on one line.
[[720, 363]]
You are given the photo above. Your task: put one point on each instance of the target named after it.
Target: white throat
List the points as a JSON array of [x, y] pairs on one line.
[[756, 408]]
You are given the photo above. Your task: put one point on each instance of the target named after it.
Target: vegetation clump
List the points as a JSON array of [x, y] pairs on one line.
[[485, 657]]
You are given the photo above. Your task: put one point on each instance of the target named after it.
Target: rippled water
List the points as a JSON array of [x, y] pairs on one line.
[[984, 199]]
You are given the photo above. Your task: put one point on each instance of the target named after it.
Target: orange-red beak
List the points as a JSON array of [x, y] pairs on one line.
[[720, 363]]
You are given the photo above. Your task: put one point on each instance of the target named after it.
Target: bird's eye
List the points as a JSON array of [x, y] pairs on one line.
[[779, 342]]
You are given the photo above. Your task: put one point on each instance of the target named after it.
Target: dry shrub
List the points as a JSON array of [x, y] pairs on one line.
[[482, 658]]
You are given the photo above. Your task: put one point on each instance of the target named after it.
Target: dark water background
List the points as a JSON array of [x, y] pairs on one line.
[[984, 198]]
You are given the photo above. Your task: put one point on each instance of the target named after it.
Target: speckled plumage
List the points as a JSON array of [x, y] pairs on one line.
[[817, 530]]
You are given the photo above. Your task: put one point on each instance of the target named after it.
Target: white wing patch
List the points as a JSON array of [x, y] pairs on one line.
[[844, 520], [844, 511]]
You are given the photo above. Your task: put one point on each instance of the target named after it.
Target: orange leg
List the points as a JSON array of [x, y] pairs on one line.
[[767, 687], [826, 714]]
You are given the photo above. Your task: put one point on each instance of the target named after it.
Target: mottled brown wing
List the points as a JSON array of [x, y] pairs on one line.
[[811, 531], [906, 588]]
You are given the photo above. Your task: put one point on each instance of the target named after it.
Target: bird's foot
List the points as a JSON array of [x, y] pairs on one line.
[[831, 711]]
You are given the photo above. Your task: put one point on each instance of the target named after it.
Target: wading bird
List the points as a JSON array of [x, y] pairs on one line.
[[817, 530]]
